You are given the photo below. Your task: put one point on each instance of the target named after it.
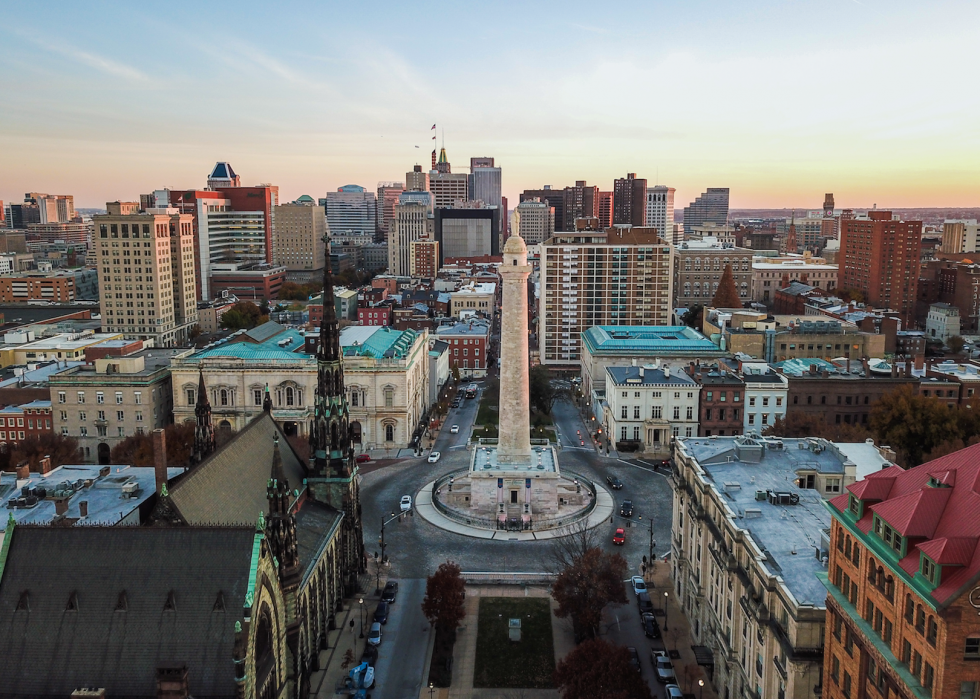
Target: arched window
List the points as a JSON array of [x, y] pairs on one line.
[[224, 397], [290, 396], [389, 433]]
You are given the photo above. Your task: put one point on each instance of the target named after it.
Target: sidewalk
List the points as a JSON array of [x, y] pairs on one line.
[[423, 506], [677, 635], [323, 682]]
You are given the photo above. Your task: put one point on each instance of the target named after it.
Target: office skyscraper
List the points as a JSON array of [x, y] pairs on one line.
[[413, 221], [630, 201], [581, 201], [710, 207], [467, 232], [300, 228], [146, 264], [660, 211], [485, 181], [52, 208], [550, 196], [388, 193], [534, 221], [417, 180], [879, 257], [351, 208]]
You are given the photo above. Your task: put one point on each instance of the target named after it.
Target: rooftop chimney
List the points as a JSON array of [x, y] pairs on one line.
[[44, 465], [160, 458], [919, 362], [83, 508], [23, 471], [61, 507]]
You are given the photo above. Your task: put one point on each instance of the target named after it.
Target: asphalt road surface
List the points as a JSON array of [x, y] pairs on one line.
[[416, 548], [404, 641]]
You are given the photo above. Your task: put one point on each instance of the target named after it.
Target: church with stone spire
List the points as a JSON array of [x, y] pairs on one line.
[[332, 468], [232, 589]]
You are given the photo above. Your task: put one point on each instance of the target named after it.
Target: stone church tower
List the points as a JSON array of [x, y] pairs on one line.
[[204, 440], [332, 469]]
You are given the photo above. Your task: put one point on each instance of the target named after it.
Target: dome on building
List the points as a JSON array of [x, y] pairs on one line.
[[515, 246]]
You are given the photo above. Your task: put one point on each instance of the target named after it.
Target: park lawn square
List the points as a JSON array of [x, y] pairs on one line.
[[501, 663]]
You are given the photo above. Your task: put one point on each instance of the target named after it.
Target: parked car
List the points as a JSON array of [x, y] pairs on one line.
[[635, 659], [381, 613], [390, 591], [626, 509], [613, 481], [362, 458], [674, 692], [434, 457], [643, 602], [405, 503], [662, 666], [638, 584], [651, 629], [374, 635], [619, 538], [370, 655], [454, 429]]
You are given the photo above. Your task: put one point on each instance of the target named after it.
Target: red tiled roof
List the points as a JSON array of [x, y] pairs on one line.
[[947, 517], [916, 514]]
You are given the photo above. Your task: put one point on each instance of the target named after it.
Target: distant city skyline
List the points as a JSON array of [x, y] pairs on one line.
[[778, 102]]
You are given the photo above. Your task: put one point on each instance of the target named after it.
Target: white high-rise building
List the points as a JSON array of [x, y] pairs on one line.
[[660, 212], [351, 208], [485, 182], [413, 221]]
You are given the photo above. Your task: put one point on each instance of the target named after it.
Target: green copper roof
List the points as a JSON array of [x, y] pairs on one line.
[[385, 343]]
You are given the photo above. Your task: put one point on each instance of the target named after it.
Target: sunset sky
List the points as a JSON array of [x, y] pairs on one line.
[[874, 100]]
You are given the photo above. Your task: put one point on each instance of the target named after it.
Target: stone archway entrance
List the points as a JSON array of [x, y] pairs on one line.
[[103, 453], [355, 432], [290, 429]]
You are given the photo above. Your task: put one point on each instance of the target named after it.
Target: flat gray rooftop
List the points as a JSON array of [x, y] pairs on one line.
[[788, 534], [542, 460]]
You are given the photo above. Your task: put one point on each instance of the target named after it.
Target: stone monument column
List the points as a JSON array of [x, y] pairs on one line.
[[514, 444]]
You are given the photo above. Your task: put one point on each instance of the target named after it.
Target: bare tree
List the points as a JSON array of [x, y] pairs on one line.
[[573, 542]]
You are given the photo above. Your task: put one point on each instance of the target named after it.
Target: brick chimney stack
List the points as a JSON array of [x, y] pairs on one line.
[[160, 458], [83, 508], [61, 507], [23, 471], [44, 465]]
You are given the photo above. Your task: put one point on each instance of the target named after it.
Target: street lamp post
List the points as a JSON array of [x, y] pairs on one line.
[[384, 521], [666, 595], [701, 685], [360, 603], [652, 543], [377, 573], [432, 688]]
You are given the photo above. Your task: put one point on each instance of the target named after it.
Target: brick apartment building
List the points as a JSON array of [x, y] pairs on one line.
[[904, 582], [374, 315], [20, 422], [37, 287], [722, 397], [879, 257]]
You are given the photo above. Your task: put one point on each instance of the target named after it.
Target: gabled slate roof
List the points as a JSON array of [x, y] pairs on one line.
[[119, 580], [230, 486]]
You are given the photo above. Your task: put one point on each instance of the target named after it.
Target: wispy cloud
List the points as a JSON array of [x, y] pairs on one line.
[[92, 60]]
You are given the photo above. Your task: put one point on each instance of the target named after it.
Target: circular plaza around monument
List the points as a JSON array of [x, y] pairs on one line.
[[508, 502]]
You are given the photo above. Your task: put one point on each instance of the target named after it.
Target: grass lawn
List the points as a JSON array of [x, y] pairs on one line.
[[502, 664]]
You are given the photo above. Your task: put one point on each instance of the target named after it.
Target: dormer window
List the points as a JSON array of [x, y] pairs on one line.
[[891, 537], [930, 571], [855, 506]]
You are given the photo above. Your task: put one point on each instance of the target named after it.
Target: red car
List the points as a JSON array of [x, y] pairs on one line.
[[619, 538], [362, 458]]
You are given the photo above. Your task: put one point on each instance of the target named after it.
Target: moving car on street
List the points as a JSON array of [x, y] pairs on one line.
[[613, 481], [405, 503], [619, 538], [626, 509], [434, 457], [362, 458], [635, 659], [454, 429]]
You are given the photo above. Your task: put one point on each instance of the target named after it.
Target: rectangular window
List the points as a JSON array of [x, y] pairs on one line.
[[139, 416], [190, 396], [81, 396], [119, 397], [138, 397], [257, 396], [61, 397], [99, 397], [847, 685], [677, 412]]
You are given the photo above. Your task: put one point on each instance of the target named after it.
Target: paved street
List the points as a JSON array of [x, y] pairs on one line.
[[416, 548], [404, 643]]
